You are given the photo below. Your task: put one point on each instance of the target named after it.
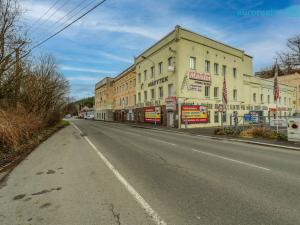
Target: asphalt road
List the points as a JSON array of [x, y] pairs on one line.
[[151, 177]]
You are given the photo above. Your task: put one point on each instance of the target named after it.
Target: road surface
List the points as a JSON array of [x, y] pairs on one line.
[[107, 173]]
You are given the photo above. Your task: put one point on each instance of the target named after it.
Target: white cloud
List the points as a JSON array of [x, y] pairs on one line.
[[89, 70], [115, 57], [83, 78]]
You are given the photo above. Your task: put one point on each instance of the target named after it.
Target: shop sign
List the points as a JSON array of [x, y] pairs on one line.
[[247, 117], [194, 87], [279, 122], [152, 114], [194, 114], [193, 75], [171, 103], [158, 81]]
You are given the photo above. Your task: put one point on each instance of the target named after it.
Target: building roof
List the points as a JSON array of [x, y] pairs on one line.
[[177, 27], [124, 72], [103, 82]]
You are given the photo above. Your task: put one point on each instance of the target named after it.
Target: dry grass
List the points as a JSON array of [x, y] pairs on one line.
[[17, 126], [259, 132]]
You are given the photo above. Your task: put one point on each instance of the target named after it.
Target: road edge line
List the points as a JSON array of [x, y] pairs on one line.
[[145, 205]]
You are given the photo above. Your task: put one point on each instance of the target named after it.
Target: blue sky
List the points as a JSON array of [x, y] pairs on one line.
[[105, 42]]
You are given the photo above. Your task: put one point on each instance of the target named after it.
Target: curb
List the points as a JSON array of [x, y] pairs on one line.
[[225, 139]]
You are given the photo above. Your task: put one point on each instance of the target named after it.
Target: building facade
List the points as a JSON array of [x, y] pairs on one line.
[[124, 97], [104, 97], [292, 80], [180, 80]]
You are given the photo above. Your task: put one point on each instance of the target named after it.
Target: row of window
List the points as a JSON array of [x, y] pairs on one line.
[[125, 86], [153, 71], [207, 69], [152, 92]]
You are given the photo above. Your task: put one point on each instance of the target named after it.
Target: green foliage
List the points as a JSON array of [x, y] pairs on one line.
[[89, 102]]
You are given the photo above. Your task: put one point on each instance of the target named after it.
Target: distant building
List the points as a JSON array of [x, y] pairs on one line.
[[104, 97], [124, 97], [294, 81]]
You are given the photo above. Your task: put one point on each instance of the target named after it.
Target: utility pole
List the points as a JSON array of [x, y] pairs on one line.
[[17, 74]]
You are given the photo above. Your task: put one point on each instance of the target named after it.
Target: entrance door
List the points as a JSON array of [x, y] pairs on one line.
[[170, 119]]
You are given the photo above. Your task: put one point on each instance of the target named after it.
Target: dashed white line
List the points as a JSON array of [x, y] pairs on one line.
[[155, 217], [229, 159], [165, 142]]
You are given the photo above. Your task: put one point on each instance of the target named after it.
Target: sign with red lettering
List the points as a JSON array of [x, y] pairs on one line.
[[152, 114], [194, 114], [193, 75]]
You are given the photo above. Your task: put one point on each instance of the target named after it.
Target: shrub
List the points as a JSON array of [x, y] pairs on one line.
[[17, 126], [259, 132]]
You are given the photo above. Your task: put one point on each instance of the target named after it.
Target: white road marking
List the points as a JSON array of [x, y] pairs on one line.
[[229, 159], [165, 142], [155, 217]]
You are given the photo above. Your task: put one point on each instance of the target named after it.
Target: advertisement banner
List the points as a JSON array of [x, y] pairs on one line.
[[282, 122], [171, 104], [194, 114], [152, 114]]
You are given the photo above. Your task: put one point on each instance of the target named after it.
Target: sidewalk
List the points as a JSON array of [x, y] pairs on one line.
[[209, 132]]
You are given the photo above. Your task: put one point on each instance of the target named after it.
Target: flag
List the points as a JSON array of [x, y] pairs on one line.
[[224, 94], [276, 86]]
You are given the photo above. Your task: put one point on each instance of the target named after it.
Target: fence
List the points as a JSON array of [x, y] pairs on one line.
[[271, 122]]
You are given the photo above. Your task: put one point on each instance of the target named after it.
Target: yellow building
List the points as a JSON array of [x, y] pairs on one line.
[[292, 80], [104, 96], [124, 97], [180, 81]]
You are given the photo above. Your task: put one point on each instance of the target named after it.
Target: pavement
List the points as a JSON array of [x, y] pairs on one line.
[[106, 173]]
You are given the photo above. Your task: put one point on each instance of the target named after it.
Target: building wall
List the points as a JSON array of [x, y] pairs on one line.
[[104, 96], [181, 45], [292, 80]]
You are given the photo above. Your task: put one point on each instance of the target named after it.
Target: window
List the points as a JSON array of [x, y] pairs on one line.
[[126, 101], [145, 75], [134, 99], [139, 78], [160, 67], [234, 94], [224, 116], [216, 68], [207, 66], [224, 70], [254, 97], [126, 86], [216, 117], [170, 61], [216, 92], [170, 89], [289, 101], [234, 73], [206, 91], [120, 102], [139, 97], [284, 101], [161, 92], [152, 94], [134, 83], [152, 71], [262, 98], [268, 99], [145, 96], [193, 63]]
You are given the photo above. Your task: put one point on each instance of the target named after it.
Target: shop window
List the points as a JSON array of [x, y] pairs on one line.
[[192, 63], [216, 117]]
